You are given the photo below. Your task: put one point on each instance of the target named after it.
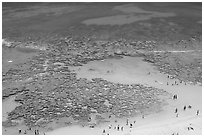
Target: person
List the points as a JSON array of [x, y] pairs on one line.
[[184, 108], [197, 113], [130, 125], [118, 128], [104, 131], [19, 131], [121, 128], [176, 110], [149, 73], [89, 119], [189, 106]]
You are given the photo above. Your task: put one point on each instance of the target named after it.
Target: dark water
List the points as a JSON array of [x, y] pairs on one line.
[[39, 20]]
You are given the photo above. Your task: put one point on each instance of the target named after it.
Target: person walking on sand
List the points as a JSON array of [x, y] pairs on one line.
[[184, 108], [149, 73], [197, 112], [118, 128], [104, 131], [176, 110], [175, 97], [19, 131]]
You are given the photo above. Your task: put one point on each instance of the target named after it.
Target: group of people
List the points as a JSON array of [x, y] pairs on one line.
[[185, 107], [36, 131], [175, 83], [118, 127]]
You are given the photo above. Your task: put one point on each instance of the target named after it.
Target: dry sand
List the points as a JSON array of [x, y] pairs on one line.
[[134, 70]]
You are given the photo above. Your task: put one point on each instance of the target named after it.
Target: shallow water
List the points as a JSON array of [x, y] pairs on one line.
[[26, 50], [131, 14], [13, 56]]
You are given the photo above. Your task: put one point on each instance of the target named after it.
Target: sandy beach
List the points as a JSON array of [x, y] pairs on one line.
[[134, 70], [107, 68]]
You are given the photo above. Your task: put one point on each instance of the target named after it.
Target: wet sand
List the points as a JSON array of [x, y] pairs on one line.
[[7, 106]]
